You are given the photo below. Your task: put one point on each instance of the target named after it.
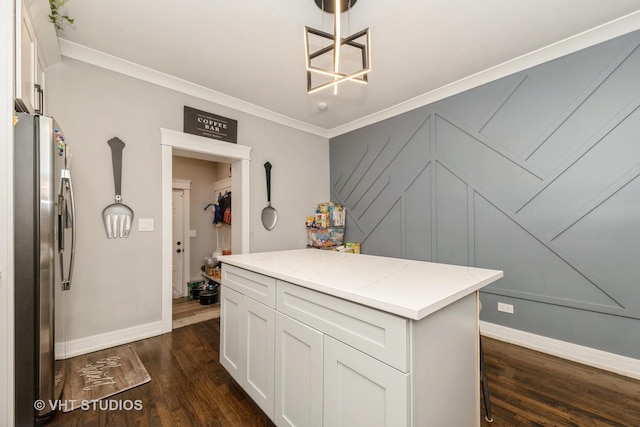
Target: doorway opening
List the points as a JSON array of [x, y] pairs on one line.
[[175, 143], [200, 236]]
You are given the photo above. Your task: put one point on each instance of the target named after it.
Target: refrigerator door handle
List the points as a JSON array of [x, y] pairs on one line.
[[67, 218], [60, 213]]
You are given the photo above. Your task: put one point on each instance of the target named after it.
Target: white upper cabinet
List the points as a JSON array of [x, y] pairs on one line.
[[26, 57], [36, 48]]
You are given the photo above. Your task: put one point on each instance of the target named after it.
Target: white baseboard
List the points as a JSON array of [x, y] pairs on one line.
[[93, 343], [622, 365]]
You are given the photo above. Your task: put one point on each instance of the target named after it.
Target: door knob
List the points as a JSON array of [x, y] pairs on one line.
[[179, 243], [179, 250]]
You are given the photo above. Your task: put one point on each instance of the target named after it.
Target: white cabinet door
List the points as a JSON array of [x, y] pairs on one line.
[[247, 345], [259, 354], [38, 88], [26, 56], [360, 391], [231, 327], [299, 360]]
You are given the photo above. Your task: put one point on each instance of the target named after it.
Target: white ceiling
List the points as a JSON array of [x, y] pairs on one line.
[[251, 52]]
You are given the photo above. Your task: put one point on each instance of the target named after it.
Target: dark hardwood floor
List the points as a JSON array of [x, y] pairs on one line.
[[529, 388], [186, 311], [190, 388]]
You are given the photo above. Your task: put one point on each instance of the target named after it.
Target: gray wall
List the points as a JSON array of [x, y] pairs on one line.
[[117, 282], [535, 174]]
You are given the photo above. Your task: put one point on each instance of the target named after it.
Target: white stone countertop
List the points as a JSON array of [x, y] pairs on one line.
[[411, 289]]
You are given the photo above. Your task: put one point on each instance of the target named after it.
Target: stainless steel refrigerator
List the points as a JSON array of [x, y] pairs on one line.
[[44, 224]]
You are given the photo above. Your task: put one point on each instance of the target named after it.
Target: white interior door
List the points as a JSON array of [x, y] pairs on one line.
[[178, 244]]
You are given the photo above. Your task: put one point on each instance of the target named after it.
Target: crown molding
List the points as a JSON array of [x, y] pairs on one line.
[[591, 37], [103, 60]]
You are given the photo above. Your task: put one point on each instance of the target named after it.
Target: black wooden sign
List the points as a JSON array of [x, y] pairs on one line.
[[209, 125]]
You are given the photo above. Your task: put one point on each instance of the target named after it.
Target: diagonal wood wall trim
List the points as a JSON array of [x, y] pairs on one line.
[[535, 174]]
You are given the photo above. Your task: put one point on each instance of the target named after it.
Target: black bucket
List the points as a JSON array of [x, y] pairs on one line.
[[208, 297]]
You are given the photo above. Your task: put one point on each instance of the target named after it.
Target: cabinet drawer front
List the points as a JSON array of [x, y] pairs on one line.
[[256, 286], [374, 332]]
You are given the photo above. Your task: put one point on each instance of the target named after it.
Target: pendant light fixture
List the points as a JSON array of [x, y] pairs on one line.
[[333, 59]]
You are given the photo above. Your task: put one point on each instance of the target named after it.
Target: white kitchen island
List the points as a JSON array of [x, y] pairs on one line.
[[323, 338]]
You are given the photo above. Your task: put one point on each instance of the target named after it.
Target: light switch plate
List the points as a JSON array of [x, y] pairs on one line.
[[192, 233], [145, 224]]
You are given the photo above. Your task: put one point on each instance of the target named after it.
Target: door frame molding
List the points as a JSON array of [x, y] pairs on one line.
[[198, 147], [7, 284], [185, 186]]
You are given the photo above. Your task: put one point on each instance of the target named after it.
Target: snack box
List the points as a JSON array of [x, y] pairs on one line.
[[329, 214], [353, 246]]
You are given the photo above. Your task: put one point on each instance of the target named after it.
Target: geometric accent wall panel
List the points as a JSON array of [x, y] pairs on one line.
[[600, 168], [452, 218], [534, 104], [594, 113], [417, 218], [606, 240], [534, 270], [475, 111], [536, 174], [506, 176], [373, 180], [386, 238]]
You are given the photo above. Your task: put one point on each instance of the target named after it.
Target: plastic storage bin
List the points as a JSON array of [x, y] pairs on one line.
[[325, 237]]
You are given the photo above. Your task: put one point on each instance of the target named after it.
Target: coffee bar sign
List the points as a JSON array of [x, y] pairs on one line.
[[209, 125]]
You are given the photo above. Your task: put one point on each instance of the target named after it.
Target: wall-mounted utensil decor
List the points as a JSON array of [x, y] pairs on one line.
[[269, 214], [117, 217]]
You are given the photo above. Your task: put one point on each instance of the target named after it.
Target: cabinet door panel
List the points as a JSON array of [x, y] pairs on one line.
[[360, 391], [38, 93], [259, 354], [25, 50], [231, 319], [299, 351]]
